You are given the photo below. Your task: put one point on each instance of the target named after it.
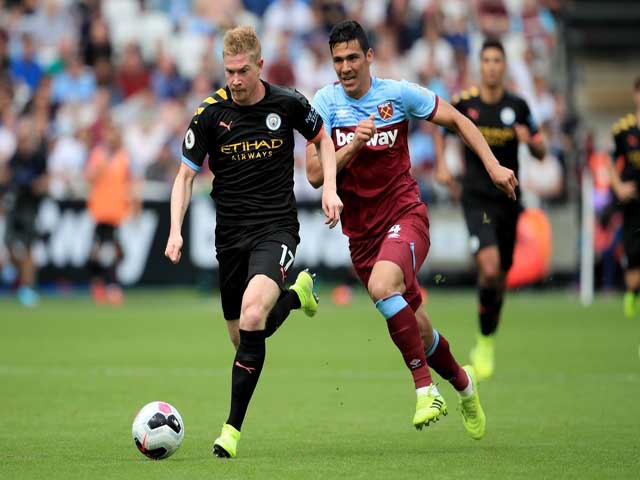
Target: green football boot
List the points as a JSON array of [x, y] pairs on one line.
[[482, 357], [304, 288], [473, 416], [429, 407], [226, 445]]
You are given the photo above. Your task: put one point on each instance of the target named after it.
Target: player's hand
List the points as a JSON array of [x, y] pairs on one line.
[[523, 133], [505, 180], [364, 131], [332, 207], [626, 191], [174, 247], [443, 176]]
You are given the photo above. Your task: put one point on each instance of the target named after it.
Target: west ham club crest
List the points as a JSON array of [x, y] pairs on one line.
[[385, 110]]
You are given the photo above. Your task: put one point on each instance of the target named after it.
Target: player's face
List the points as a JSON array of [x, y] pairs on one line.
[[243, 77], [352, 67], [492, 67]]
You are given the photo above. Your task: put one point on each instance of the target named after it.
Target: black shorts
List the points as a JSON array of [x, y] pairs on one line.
[[490, 223], [21, 226], [106, 248], [631, 239], [269, 253], [105, 233]]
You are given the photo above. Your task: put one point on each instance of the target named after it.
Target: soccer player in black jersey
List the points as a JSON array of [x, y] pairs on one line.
[[247, 131], [505, 121], [625, 182]]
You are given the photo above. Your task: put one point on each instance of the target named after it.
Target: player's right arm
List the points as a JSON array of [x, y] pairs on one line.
[[447, 116], [194, 151], [180, 198], [364, 131], [624, 191]]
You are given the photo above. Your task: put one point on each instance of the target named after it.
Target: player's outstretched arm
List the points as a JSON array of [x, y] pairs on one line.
[[535, 143], [624, 191], [331, 203], [364, 131], [502, 177], [442, 173], [180, 198]]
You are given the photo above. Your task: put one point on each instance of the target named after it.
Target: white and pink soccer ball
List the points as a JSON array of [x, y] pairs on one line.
[[158, 430]]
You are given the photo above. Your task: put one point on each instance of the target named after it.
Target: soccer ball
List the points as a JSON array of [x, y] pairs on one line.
[[158, 430]]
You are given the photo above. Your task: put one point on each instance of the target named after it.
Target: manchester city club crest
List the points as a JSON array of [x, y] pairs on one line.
[[507, 115], [385, 110], [273, 121]]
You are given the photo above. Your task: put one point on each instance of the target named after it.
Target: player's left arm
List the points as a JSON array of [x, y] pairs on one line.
[[529, 134], [309, 123], [331, 203], [447, 116]]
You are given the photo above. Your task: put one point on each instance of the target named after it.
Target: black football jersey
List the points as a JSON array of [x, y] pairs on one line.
[[250, 150], [496, 122], [626, 137]]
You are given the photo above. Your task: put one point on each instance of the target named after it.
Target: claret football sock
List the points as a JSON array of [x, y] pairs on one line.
[[443, 362], [404, 331]]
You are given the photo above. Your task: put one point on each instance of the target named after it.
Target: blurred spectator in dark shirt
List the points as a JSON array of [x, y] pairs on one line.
[[98, 45], [133, 75]]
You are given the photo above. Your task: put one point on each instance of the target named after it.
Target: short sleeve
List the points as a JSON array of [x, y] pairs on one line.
[[528, 120], [305, 118], [419, 102], [321, 104], [194, 144], [459, 104], [618, 145]]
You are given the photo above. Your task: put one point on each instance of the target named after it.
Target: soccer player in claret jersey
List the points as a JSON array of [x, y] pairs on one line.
[[505, 121], [625, 182], [384, 217], [246, 129]]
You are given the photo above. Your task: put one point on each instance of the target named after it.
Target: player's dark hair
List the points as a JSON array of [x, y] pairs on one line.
[[493, 43], [636, 84], [346, 31]]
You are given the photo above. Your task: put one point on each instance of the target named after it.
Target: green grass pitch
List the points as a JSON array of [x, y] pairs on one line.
[[334, 399]]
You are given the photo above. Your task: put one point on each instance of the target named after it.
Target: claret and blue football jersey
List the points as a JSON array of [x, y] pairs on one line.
[[376, 186]]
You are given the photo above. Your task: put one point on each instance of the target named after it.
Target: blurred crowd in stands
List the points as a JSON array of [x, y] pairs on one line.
[[70, 67]]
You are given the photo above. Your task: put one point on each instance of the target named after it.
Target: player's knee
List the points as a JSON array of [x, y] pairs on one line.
[[253, 317], [380, 288], [490, 274]]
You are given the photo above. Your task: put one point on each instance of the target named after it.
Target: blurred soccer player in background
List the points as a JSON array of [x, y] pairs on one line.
[[384, 217], [246, 129], [625, 182], [27, 184], [491, 216]]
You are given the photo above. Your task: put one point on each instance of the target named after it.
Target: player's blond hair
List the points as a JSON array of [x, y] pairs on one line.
[[241, 40]]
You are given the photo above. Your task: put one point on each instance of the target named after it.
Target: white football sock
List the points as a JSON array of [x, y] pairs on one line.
[[468, 390], [434, 390]]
